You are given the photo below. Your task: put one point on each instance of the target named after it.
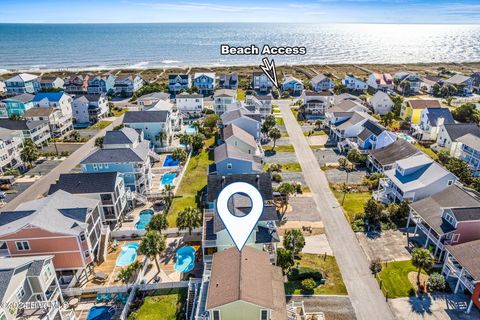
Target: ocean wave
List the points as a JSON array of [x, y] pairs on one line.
[[170, 61]]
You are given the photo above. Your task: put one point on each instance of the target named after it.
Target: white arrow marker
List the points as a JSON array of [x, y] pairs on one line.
[[239, 228], [268, 68]]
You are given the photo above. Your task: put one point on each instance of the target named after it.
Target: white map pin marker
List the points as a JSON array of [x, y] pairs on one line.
[[239, 228]]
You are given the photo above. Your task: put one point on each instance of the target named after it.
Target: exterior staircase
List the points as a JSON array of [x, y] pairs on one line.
[[154, 155]]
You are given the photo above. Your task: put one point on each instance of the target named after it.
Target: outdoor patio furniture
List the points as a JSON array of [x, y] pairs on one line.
[[99, 297], [73, 303], [101, 276], [107, 297]]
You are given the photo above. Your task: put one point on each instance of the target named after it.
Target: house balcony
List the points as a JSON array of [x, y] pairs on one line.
[[451, 268], [209, 238]]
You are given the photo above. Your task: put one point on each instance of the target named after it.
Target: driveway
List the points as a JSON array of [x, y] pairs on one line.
[[337, 176], [435, 307], [367, 299], [390, 245], [280, 157], [326, 155], [334, 307]]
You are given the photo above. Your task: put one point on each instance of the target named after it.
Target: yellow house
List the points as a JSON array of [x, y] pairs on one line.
[[245, 286], [412, 109]]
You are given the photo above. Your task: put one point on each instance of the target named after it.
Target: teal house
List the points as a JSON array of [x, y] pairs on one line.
[[17, 105], [101, 84]]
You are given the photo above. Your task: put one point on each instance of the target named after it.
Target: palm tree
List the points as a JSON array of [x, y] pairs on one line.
[[161, 137], [152, 245], [158, 223], [125, 274], [186, 140], [189, 218], [168, 192], [180, 155], [29, 152], [422, 259], [274, 134]]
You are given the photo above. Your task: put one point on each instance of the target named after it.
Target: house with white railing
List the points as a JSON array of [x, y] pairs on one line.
[[413, 179], [461, 265], [450, 217], [385, 158]]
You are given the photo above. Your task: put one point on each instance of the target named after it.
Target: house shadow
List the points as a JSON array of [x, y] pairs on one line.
[[420, 304]]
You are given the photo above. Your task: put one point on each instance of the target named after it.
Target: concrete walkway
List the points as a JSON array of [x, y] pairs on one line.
[[365, 295], [41, 186]]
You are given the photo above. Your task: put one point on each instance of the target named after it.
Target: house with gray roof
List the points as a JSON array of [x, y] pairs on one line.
[[157, 126], [321, 83], [125, 152], [228, 81], [222, 98], [49, 83], [383, 159], [449, 217], [127, 85], [461, 265], [37, 131], [190, 105], [106, 187], [235, 136], [463, 84], [412, 179], [449, 133], [16, 106], [179, 82], [381, 103], [89, 108], [431, 120], [231, 160], [372, 136], [243, 118], [10, 148], [63, 225], [27, 280], [293, 85], [346, 125], [149, 100]]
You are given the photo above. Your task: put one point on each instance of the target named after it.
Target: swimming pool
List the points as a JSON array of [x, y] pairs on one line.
[[191, 130], [101, 313], [145, 217], [128, 254], [185, 259], [168, 178], [170, 162], [406, 137]]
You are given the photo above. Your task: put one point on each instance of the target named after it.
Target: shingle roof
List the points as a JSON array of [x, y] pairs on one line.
[[457, 79], [400, 149], [23, 77], [423, 104], [431, 208], [91, 97], [124, 136], [25, 97], [234, 130], [20, 124], [262, 181], [78, 183], [470, 140], [435, 113], [138, 154], [51, 96], [318, 78], [354, 119], [189, 95], [468, 256], [373, 127], [155, 95], [145, 116], [60, 212], [380, 97], [458, 130], [225, 93], [246, 275], [38, 112], [345, 106], [467, 214], [226, 151], [233, 114]]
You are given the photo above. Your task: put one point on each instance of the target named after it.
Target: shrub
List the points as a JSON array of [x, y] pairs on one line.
[[308, 284], [358, 225], [302, 273], [436, 282], [375, 266], [276, 177]]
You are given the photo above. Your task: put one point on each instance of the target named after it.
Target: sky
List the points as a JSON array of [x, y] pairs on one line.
[[273, 11]]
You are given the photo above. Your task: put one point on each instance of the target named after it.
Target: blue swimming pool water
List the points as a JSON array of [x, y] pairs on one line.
[[191, 130], [101, 313], [185, 259], [406, 137], [170, 162], [167, 178], [145, 217], [128, 255]]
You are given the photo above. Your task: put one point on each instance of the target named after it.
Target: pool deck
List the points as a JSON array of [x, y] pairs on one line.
[[109, 267], [83, 308]]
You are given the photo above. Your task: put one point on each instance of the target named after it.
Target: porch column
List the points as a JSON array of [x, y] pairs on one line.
[[426, 242], [436, 248], [470, 306], [408, 222], [415, 231], [457, 286]]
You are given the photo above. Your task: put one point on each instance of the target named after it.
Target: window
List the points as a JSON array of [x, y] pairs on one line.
[[82, 237], [22, 245], [20, 293], [87, 253], [95, 167], [229, 166], [216, 314], [450, 182], [263, 314]]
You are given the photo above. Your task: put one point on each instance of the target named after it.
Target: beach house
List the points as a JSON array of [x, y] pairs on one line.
[[385, 158], [372, 136], [151, 99], [261, 104], [463, 84], [470, 152], [315, 103], [51, 83], [37, 131], [222, 98], [228, 81], [124, 151], [22, 83], [205, 82], [16, 106], [412, 109], [178, 83], [90, 108], [344, 125], [231, 160], [101, 84], [106, 187], [354, 83], [321, 82], [381, 103], [189, 105], [293, 85], [62, 104], [413, 179], [76, 84], [242, 118], [431, 120], [126, 86], [63, 225], [10, 147], [449, 133], [241, 139], [407, 83], [155, 125], [380, 81], [261, 83]]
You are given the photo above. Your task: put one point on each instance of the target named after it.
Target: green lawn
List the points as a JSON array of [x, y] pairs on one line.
[[162, 307], [287, 167], [194, 180], [276, 111], [279, 121], [240, 95], [354, 202], [317, 147], [329, 269], [285, 134], [99, 125], [315, 133], [118, 113], [394, 276], [285, 148], [428, 151]]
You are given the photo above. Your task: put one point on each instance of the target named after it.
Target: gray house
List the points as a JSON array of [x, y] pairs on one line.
[[385, 158], [243, 118], [413, 178], [29, 280], [231, 160]]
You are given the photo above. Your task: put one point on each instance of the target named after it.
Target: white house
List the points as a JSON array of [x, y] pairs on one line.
[[431, 120], [150, 99], [58, 101], [449, 133], [354, 84], [22, 83], [315, 103], [381, 103], [321, 83], [408, 83], [90, 108], [222, 98], [380, 81], [189, 105], [10, 147], [237, 137], [128, 85], [347, 124]]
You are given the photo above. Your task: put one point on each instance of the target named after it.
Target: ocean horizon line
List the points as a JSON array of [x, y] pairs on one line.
[[243, 22]]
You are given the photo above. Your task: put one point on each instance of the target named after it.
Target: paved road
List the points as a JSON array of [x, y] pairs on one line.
[[41, 186], [367, 299]]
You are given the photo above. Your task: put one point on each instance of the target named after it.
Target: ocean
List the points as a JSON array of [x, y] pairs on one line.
[[94, 46]]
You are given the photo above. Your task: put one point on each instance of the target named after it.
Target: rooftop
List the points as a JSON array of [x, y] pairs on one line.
[[468, 255], [262, 181], [124, 136], [78, 183], [25, 97], [234, 130], [470, 140], [436, 113], [145, 116], [458, 130], [50, 96], [423, 104], [400, 149]]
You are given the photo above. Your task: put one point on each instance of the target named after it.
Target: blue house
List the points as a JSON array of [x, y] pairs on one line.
[[205, 82], [374, 136], [123, 151], [22, 83], [179, 82], [231, 160], [101, 84], [155, 125], [16, 105], [293, 85]]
